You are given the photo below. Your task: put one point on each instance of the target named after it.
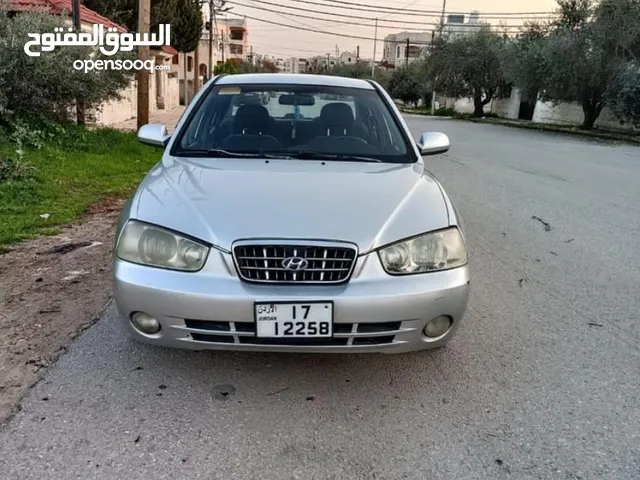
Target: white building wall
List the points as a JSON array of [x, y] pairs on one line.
[[505, 107], [571, 114], [126, 108]]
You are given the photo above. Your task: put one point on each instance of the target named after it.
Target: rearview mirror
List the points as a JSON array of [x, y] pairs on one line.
[[154, 134], [306, 100], [433, 143]]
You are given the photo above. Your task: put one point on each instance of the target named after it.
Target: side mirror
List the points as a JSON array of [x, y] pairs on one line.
[[154, 134], [433, 143]]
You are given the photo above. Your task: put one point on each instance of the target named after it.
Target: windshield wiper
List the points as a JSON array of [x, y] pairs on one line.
[[220, 153], [308, 155]]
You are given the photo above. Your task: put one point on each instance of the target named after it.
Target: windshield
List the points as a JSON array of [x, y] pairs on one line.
[[294, 121]]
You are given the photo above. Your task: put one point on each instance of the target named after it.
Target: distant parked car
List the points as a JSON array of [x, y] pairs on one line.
[[308, 224]]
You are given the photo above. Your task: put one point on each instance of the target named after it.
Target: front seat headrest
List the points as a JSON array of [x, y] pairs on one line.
[[337, 115], [251, 119]]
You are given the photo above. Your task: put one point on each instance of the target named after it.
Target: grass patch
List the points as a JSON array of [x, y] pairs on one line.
[[72, 170]]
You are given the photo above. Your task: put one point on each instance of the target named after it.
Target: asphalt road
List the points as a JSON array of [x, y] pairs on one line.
[[542, 381]]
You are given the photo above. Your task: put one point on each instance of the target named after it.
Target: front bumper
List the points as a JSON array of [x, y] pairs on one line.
[[214, 310]]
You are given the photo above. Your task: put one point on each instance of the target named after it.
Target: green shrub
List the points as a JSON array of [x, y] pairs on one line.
[[15, 170], [444, 112], [624, 93], [46, 87]]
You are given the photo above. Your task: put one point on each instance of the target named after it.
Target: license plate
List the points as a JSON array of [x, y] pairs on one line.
[[290, 320]]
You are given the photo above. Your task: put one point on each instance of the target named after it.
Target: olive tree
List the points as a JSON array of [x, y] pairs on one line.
[[470, 66], [624, 93], [46, 87], [585, 53], [524, 62]]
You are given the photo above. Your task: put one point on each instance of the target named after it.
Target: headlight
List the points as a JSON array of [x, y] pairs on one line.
[[154, 246], [430, 252]]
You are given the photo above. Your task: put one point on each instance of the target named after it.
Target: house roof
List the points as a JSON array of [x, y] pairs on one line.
[[64, 7]]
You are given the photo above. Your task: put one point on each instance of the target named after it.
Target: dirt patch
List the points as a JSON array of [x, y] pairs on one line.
[[51, 289]]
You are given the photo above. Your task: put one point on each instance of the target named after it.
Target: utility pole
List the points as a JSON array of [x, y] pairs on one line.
[[375, 42], [357, 53], [222, 45], [433, 94], [144, 20], [406, 53], [211, 13], [196, 70], [77, 25], [215, 6]]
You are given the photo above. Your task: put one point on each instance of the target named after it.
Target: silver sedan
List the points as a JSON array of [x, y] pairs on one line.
[[291, 213]]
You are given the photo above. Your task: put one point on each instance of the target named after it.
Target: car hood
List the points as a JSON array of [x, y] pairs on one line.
[[223, 200]]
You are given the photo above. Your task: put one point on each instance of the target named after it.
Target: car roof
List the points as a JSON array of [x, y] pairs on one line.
[[294, 79]]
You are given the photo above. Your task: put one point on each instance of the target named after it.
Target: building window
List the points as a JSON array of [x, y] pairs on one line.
[[236, 34], [175, 59], [414, 51], [398, 51], [189, 64], [235, 49]]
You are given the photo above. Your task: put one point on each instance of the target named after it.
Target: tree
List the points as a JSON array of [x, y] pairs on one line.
[[577, 69], [624, 93], [587, 50], [617, 25], [125, 12], [46, 87], [573, 14], [229, 67], [268, 66], [186, 26], [524, 62], [469, 66], [354, 70], [405, 84]]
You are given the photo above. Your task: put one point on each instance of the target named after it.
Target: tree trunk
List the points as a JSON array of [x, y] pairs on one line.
[[592, 110], [478, 107]]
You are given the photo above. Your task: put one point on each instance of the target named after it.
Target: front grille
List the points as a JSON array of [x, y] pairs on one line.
[[344, 334], [324, 263]]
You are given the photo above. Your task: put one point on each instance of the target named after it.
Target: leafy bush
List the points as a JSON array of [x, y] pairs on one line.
[[410, 83], [444, 112], [15, 170], [624, 93], [46, 87]]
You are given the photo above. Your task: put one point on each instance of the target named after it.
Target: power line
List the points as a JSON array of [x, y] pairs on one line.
[[314, 30], [284, 15], [298, 15], [340, 15], [384, 9], [291, 49]]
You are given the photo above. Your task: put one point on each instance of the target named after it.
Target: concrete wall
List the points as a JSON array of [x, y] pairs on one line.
[[564, 113], [505, 108], [119, 110], [571, 114], [127, 107]]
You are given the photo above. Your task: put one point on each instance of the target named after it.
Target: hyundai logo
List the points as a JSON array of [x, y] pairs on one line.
[[295, 263]]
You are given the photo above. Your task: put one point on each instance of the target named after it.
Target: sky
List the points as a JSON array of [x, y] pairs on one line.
[[285, 42]]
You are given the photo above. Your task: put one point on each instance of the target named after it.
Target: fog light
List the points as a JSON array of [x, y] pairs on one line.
[[437, 327], [145, 323]]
